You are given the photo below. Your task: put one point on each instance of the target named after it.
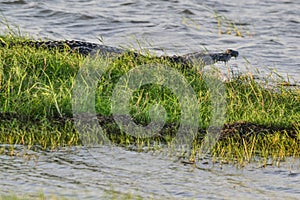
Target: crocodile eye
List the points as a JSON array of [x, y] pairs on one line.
[[228, 51]]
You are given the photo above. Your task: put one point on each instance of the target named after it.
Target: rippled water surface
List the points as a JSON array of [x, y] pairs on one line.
[[271, 29], [271, 32], [78, 173]]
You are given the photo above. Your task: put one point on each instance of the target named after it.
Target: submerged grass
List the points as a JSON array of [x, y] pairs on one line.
[[36, 93], [110, 194]]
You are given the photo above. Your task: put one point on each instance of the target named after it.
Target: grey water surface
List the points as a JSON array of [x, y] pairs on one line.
[[79, 173], [270, 43], [270, 29]]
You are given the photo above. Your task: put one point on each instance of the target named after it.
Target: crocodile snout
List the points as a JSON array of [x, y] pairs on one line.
[[232, 53]]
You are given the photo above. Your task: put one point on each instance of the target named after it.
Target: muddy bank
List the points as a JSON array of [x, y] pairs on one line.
[[241, 129]]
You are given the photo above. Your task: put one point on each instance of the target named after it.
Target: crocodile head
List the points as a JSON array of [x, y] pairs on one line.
[[209, 58], [232, 53]]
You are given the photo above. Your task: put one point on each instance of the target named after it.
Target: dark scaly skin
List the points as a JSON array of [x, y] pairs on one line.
[[203, 58], [87, 48]]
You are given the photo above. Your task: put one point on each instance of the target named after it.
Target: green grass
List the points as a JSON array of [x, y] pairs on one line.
[[110, 194], [36, 88], [40, 196]]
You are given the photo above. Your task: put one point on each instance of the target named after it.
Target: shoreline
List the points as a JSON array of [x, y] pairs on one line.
[[36, 93], [236, 129]]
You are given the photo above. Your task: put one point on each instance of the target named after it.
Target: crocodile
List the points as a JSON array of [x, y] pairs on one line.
[[88, 48]]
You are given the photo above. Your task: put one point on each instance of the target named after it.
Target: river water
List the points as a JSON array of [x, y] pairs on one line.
[[271, 29], [270, 42], [78, 173]]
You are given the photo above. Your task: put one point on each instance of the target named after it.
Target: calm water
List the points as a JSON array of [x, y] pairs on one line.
[[271, 32]]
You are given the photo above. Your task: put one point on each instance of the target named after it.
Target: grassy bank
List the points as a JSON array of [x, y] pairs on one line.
[[36, 88]]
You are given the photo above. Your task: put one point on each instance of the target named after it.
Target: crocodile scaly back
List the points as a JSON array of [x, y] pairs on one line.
[[87, 48]]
